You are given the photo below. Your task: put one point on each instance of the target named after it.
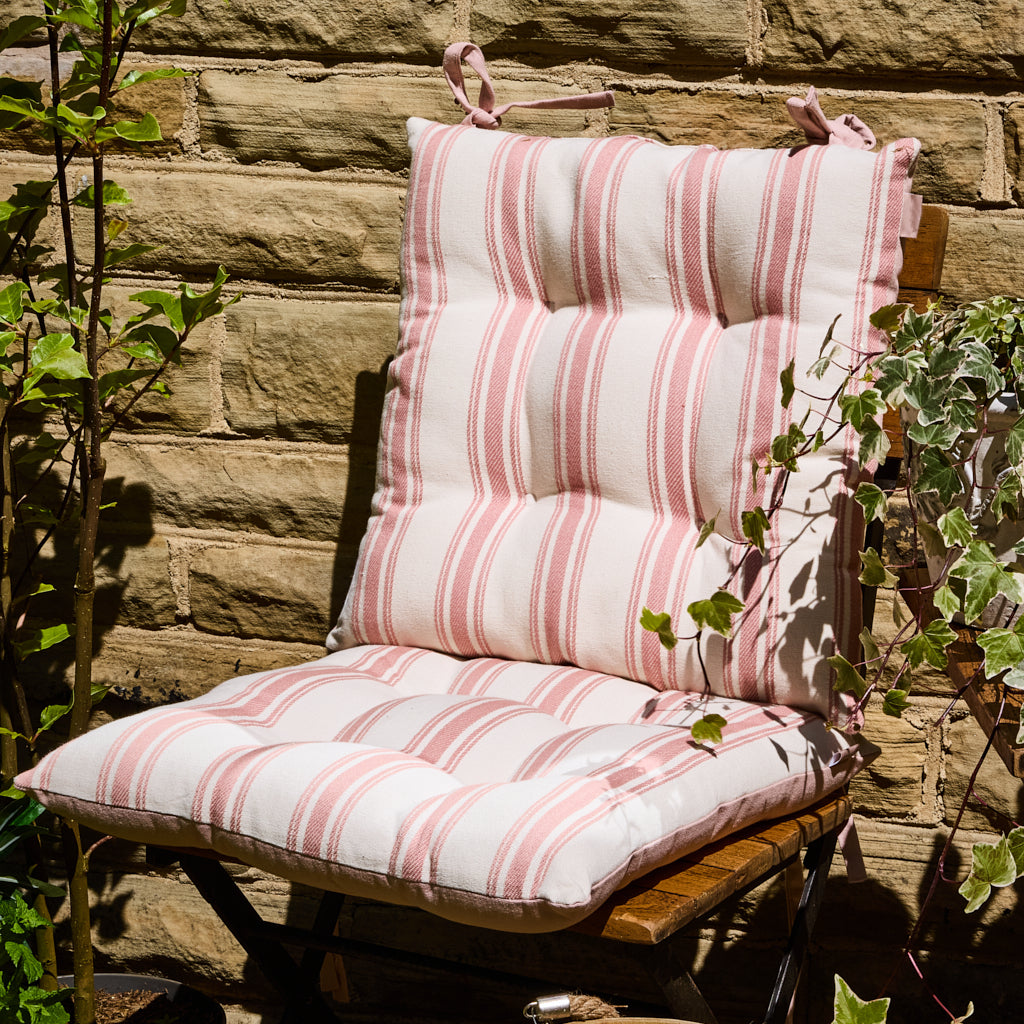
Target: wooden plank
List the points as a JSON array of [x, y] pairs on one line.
[[923, 255], [663, 901]]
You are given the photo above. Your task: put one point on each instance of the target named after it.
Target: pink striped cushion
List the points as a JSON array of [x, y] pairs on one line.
[[513, 795], [592, 333]]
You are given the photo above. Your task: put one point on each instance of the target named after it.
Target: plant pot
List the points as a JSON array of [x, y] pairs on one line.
[[979, 477], [192, 1006]]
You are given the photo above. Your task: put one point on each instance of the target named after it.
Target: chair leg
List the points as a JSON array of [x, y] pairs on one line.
[[817, 861], [682, 995], [302, 998]]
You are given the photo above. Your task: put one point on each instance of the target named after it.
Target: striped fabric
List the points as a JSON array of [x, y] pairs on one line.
[[508, 794], [592, 334]]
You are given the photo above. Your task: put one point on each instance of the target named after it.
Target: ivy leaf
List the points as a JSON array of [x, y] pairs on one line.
[[946, 602], [992, 865], [938, 474], [754, 524], [716, 612], [895, 702], [708, 729], [874, 443], [661, 624], [939, 435], [855, 409], [820, 366], [706, 530], [929, 644], [870, 647], [848, 679], [985, 578], [956, 528], [1006, 498], [888, 319], [1015, 843], [849, 1008], [872, 498], [788, 387], [1015, 678], [874, 573], [1004, 648]]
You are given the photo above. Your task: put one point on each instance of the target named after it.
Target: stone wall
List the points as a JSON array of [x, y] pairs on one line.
[[242, 497]]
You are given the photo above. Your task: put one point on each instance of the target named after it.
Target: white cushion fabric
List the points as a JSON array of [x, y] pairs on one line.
[[513, 795], [592, 334]]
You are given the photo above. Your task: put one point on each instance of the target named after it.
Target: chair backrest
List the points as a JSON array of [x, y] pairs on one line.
[[592, 334]]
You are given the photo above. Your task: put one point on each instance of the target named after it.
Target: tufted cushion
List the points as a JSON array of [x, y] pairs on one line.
[[513, 795], [592, 334]]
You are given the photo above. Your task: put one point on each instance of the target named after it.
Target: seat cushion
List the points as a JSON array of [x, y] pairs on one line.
[[514, 795], [592, 335]]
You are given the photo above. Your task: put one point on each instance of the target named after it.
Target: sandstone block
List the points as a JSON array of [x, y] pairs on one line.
[[1013, 138], [307, 370], [618, 32], [864, 37], [952, 132], [232, 485], [1002, 793], [893, 784], [345, 121], [368, 29], [265, 227], [983, 255], [265, 591]]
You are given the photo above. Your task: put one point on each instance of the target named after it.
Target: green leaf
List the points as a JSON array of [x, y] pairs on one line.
[[12, 304], [706, 530], [895, 702], [113, 195], [939, 435], [51, 715], [716, 612], [946, 601], [1015, 678], [872, 499], [137, 77], [848, 1007], [165, 302], [937, 474], [848, 679], [55, 354], [660, 623], [888, 318], [42, 639], [754, 523], [1015, 443], [112, 257], [956, 528], [820, 366], [708, 729], [1004, 648], [929, 644], [1015, 843], [868, 405], [992, 865], [985, 577], [869, 646], [874, 573], [19, 28], [146, 130], [874, 443], [1020, 726], [788, 387]]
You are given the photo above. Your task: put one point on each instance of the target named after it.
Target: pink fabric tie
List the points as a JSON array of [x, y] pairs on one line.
[[485, 114], [845, 130]]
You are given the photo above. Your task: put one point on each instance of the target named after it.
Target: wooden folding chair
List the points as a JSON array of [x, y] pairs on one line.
[[592, 336]]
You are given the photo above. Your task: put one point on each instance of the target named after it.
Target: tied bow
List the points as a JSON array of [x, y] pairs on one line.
[[845, 130], [484, 114]]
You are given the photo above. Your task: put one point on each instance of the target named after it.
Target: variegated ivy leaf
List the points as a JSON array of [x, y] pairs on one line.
[[849, 1008], [874, 573], [888, 319], [936, 473], [992, 866], [1015, 678], [788, 387], [1015, 443], [870, 647], [848, 679], [941, 435], [986, 577], [931, 538], [1015, 841], [956, 528], [946, 602], [929, 644], [706, 530], [754, 524], [872, 498], [1004, 648], [867, 405], [874, 443]]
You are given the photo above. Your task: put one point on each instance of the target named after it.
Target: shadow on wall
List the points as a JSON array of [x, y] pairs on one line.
[[362, 474]]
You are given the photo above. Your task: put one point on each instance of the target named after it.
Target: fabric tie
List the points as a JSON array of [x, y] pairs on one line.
[[484, 114], [845, 130]]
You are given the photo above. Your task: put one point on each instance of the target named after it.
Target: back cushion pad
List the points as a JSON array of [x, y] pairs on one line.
[[592, 334]]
